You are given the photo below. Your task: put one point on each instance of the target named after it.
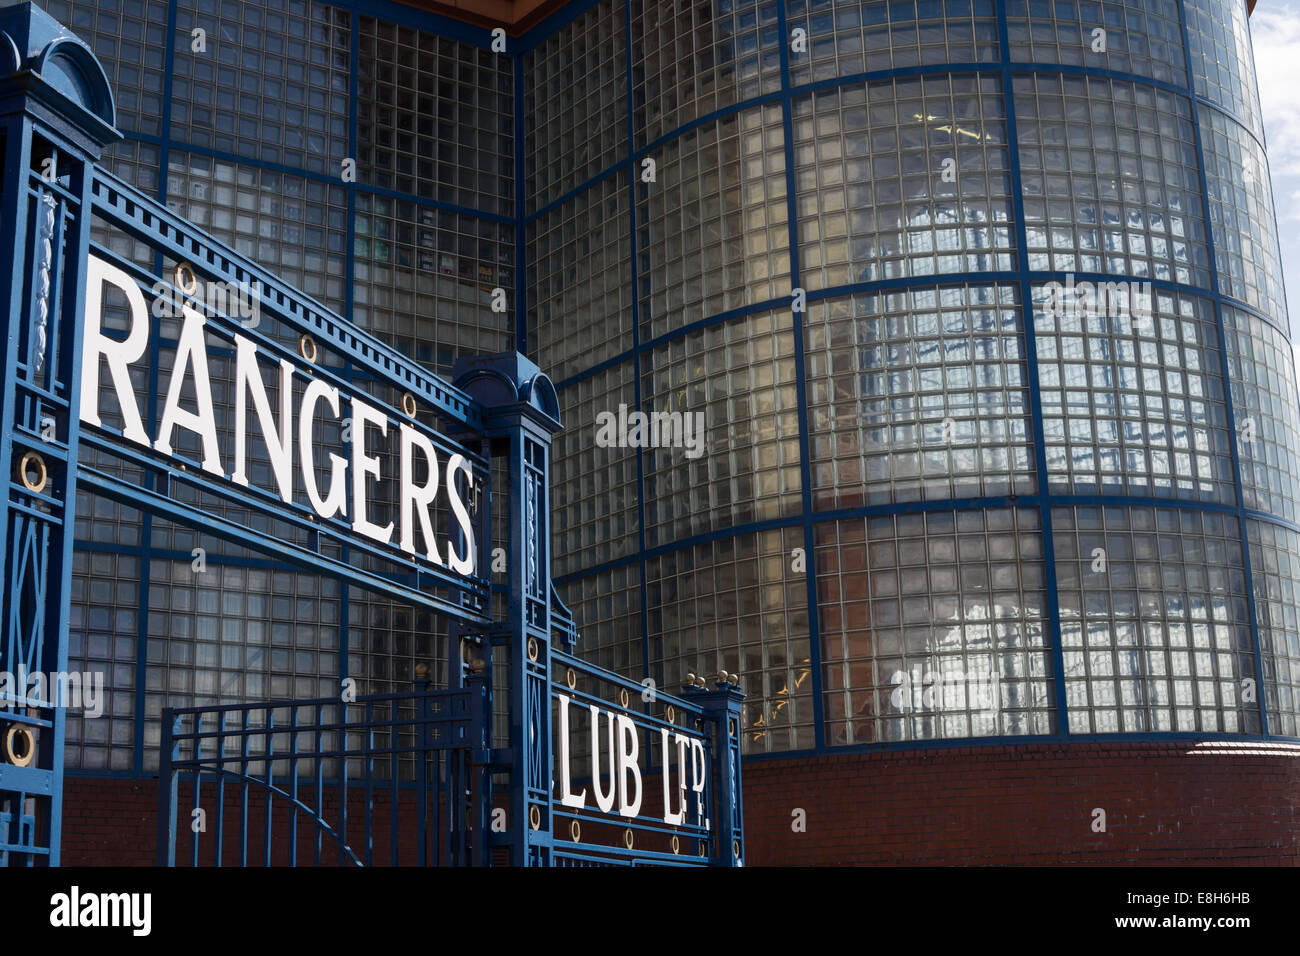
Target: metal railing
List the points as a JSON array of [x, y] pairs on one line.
[[390, 777]]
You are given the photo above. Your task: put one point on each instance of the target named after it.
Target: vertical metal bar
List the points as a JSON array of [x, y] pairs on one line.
[[165, 853], [1029, 332], [221, 784], [243, 797], [801, 393], [320, 784], [293, 785], [422, 777], [198, 755], [521, 232], [479, 744], [270, 781], [439, 795], [455, 803], [394, 795], [343, 781], [629, 72], [368, 765]]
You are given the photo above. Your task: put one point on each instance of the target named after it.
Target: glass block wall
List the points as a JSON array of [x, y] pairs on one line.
[[932, 503], [927, 502]]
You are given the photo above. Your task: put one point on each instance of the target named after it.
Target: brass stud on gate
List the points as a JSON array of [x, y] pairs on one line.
[[575, 830], [20, 745], [307, 347], [676, 844], [571, 679], [535, 818], [31, 461], [622, 696], [408, 404], [532, 648], [628, 838], [185, 279]]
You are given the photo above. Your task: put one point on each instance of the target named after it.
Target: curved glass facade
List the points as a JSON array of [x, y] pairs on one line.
[[994, 513], [936, 496]]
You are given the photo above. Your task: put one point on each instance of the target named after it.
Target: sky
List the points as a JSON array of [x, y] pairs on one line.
[[1275, 34]]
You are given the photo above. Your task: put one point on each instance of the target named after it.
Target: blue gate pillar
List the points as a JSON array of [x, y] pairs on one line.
[[521, 413], [723, 704], [56, 116]]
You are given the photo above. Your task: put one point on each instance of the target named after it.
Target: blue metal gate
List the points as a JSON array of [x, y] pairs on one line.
[[395, 778], [258, 772]]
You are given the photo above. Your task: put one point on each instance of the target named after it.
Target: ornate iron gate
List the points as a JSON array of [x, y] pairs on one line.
[[401, 771], [426, 757]]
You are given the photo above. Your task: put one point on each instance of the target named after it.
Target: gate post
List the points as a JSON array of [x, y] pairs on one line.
[[56, 116], [723, 706], [168, 780], [521, 413]]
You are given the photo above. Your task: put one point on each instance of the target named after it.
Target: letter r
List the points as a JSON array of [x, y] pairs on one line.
[[119, 354]]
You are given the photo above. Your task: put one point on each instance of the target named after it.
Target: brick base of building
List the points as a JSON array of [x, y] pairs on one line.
[[1163, 802]]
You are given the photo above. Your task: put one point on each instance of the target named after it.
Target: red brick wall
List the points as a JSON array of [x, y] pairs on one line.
[[1165, 803], [109, 822]]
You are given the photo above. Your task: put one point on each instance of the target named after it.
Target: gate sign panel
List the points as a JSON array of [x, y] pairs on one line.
[[289, 432], [147, 363], [430, 534], [640, 784]]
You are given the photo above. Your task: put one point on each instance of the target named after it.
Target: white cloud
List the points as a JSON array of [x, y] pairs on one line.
[[1288, 206], [1275, 34]]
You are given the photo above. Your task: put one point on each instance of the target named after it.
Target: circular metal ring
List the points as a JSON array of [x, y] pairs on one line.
[[19, 754], [32, 460], [307, 347], [185, 279], [571, 679], [703, 850], [622, 696], [672, 714], [535, 817], [731, 726], [676, 844], [408, 404], [628, 838], [532, 648], [575, 830], [735, 849]]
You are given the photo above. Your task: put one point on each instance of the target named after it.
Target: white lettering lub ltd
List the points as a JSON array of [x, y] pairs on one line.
[[342, 498], [623, 770]]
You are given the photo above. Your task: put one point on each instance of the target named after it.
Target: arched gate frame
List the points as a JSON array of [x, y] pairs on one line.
[[56, 117]]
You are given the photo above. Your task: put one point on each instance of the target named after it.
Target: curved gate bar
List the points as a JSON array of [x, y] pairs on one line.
[[201, 768]]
